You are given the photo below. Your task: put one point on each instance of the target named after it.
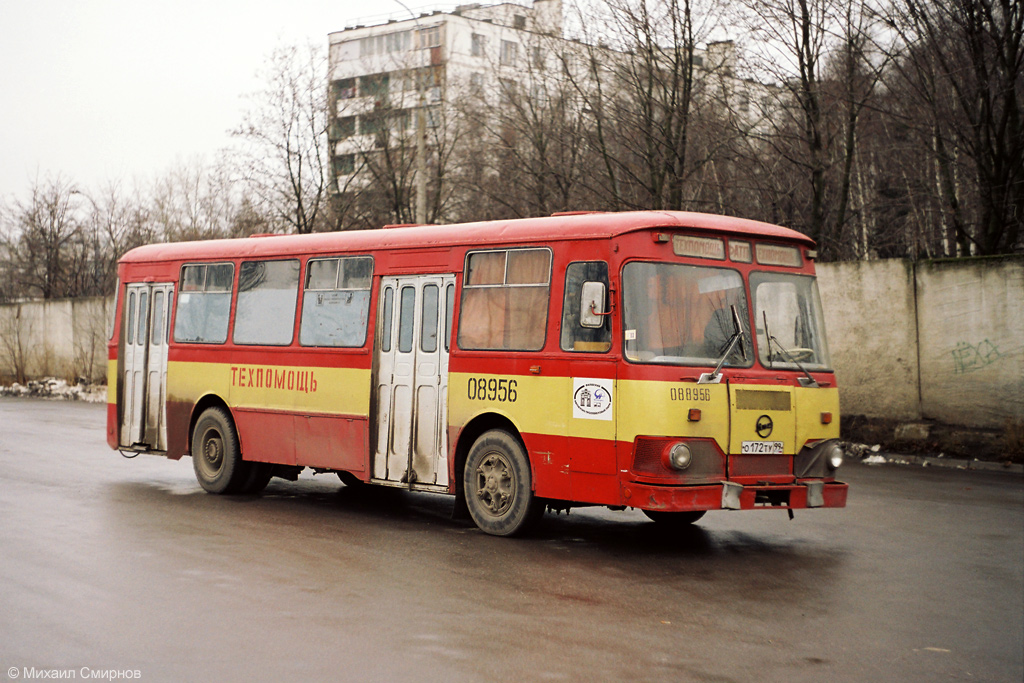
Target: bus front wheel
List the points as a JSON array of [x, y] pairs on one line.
[[498, 487], [216, 457]]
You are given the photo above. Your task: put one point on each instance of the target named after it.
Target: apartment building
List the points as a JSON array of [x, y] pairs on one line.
[[384, 72]]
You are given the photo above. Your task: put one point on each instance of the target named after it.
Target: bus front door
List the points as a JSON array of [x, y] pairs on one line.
[[411, 389], [144, 392]]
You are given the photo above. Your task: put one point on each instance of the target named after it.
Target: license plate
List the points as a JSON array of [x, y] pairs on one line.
[[761, 448]]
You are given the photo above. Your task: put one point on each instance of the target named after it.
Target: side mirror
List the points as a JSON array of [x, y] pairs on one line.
[[592, 305]]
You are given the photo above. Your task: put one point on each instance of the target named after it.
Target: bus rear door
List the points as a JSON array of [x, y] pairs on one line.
[[144, 397]]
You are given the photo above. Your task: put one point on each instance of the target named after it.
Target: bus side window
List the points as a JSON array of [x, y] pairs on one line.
[[204, 303], [505, 300], [267, 294], [130, 327], [576, 337], [449, 306], [336, 302]]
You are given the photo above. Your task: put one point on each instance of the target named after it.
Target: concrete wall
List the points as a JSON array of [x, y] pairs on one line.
[[971, 322], [872, 338], [65, 338], [937, 340]]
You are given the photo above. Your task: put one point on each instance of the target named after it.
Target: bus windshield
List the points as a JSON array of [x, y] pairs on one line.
[[795, 334], [680, 314]]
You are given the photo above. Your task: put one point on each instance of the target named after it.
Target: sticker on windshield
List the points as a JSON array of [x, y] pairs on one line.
[[592, 398]]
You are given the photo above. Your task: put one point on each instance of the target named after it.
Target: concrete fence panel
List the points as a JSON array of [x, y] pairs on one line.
[[971, 326], [869, 317], [65, 338]]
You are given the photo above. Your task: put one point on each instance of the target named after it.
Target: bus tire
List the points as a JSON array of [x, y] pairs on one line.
[[216, 457], [674, 520], [498, 486], [260, 474], [350, 480]]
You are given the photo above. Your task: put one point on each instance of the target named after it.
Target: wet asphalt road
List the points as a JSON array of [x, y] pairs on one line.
[[115, 564]]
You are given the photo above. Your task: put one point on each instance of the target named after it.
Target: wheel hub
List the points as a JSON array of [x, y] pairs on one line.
[[496, 484]]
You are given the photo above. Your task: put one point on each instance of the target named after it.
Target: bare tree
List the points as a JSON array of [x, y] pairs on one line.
[[39, 237], [284, 159], [823, 53], [962, 69]]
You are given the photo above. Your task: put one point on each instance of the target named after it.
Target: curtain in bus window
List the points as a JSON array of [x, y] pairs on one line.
[[505, 300], [528, 303], [482, 320], [267, 294]]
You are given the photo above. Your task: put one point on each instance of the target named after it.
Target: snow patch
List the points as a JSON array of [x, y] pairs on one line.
[[57, 389]]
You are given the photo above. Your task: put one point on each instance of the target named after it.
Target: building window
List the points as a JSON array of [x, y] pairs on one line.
[[508, 53], [433, 117], [345, 89], [375, 85], [398, 42], [344, 164], [479, 45], [539, 94], [400, 119], [508, 89], [505, 299], [476, 82], [343, 127], [371, 124], [538, 57], [519, 21], [429, 37], [336, 302]]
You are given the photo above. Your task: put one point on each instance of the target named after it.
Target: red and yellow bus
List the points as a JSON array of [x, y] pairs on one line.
[[671, 362]]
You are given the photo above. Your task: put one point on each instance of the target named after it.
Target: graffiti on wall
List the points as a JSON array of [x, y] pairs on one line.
[[972, 357]]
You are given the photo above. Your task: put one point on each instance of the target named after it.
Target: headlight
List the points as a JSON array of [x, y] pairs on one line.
[[679, 456], [834, 457]]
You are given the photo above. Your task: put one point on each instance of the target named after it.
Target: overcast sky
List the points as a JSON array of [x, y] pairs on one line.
[[102, 90]]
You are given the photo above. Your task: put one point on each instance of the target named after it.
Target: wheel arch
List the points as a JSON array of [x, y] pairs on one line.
[[468, 436]]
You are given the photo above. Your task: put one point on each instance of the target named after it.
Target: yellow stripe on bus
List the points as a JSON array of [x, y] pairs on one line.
[[343, 391]]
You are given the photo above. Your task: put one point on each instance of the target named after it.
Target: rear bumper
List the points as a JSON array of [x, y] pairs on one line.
[[732, 496]]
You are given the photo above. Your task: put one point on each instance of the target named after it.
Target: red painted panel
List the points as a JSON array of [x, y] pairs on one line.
[[549, 457], [266, 436], [113, 426], [335, 442]]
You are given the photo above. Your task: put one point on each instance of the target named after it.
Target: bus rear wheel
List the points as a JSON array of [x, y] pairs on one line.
[[216, 457], [674, 520], [497, 485]]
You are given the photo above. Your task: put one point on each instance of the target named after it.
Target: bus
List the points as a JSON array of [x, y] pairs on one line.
[[670, 362]]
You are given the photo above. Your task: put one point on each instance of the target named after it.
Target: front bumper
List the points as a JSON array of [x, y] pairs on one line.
[[810, 493]]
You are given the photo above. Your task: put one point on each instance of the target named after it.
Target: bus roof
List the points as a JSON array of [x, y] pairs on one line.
[[501, 232]]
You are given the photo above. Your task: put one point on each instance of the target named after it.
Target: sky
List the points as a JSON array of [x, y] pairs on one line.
[[122, 90]]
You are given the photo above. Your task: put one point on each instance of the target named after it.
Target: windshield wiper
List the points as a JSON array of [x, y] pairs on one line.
[[807, 381], [715, 376]]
